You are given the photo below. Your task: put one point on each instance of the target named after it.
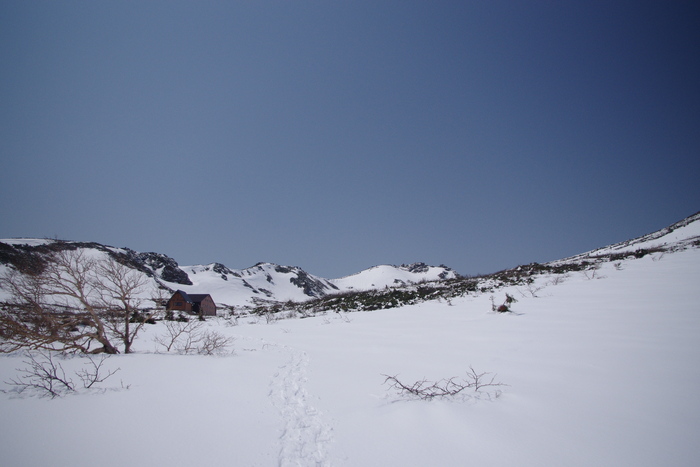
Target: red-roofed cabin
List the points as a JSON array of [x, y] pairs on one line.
[[194, 304]]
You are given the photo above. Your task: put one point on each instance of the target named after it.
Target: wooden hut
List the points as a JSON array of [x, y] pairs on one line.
[[194, 304]]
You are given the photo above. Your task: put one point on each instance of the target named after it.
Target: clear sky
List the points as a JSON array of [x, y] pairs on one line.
[[338, 135]]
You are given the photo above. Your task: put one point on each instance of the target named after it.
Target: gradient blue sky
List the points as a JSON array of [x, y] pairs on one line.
[[339, 135]]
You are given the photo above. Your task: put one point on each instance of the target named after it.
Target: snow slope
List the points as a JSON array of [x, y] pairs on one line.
[[264, 282], [601, 371], [383, 276], [679, 235]]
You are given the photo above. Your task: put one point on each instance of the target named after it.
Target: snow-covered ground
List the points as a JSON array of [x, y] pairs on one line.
[[601, 371]]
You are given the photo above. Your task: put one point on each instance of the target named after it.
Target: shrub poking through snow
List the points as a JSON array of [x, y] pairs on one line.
[[506, 304], [44, 376], [190, 337], [479, 383]]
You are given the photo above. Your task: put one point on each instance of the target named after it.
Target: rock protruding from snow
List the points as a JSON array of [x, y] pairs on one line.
[[162, 266]]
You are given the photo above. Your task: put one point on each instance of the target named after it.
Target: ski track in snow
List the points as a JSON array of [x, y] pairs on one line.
[[305, 435]]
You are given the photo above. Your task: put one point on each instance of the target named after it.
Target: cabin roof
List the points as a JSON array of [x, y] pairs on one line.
[[193, 298], [197, 298]]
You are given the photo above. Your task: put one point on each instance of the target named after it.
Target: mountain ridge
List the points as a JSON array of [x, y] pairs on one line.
[[262, 283], [267, 284]]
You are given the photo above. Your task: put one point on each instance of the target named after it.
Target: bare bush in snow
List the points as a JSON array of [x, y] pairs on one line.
[[214, 343], [190, 337], [176, 333], [478, 383], [93, 374], [559, 279], [592, 272], [44, 376], [532, 289]]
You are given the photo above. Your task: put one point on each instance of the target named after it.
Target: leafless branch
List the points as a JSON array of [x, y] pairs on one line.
[[43, 375], [214, 343], [90, 376], [449, 387], [189, 337], [46, 377]]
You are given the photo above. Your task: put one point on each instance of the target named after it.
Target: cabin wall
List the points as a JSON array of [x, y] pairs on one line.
[[207, 307], [178, 303]]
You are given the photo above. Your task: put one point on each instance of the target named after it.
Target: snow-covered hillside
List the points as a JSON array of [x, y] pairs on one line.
[[601, 371], [385, 275], [264, 283], [682, 234]]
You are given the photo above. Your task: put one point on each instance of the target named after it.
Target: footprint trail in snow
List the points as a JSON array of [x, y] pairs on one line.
[[305, 436]]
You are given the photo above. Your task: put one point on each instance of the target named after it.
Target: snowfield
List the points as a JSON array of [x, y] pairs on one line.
[[600, 370], [385, 275]]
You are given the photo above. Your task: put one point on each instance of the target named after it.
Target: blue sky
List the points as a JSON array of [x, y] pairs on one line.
[[336, 136]]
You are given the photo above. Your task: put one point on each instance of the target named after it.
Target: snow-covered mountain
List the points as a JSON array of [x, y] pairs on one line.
[[268, 283], [386, 275], [263, 283]]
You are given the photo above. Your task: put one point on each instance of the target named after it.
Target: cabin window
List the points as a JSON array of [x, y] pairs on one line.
[[178, 303]]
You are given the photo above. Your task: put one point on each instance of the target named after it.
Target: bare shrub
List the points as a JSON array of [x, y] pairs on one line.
[[271, 317], [190, 338], [559, 279], [93, 373], [658, 257], [214, 343], [344, 317], [176, 334], [44, 376], [231, 320], [445, 388], [532, 289], [592, 272]]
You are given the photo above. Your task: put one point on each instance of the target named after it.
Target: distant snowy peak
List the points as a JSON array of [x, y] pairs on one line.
[[262, 282], [269, 282], [391, 276], [267, 273]]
